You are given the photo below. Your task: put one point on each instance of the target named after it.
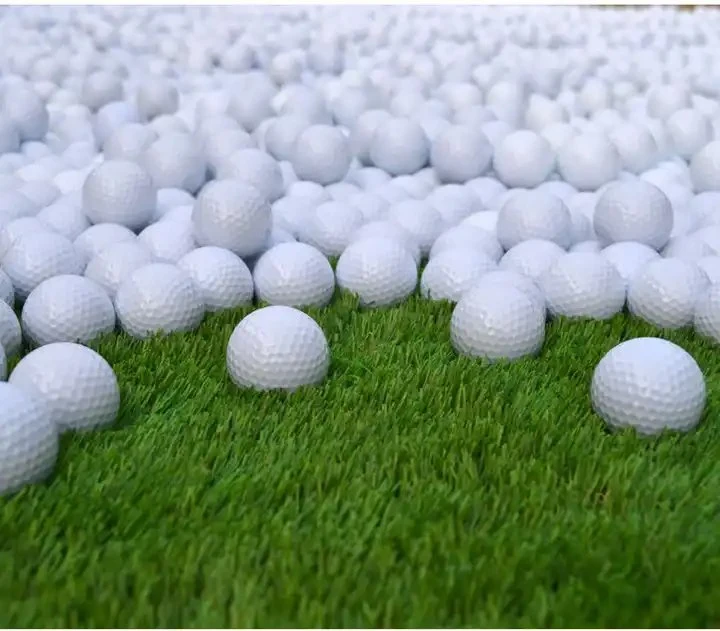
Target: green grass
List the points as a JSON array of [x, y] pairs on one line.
[[414, 488]]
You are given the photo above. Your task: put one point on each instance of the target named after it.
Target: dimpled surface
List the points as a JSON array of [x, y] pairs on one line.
[[379, 270], [67, 308], [295, 275], [497, 322], [119, 191], [649, 384], [452, 272], [629, 257], [583, 284], [534, 215], [35, 257], [28, 439], [633, 211], [707, 313], [222, 278], [277, 347], [664, 292], [10, 331], [532, 257], [74, 382], [115, 263], [158, 298], [232, 215]]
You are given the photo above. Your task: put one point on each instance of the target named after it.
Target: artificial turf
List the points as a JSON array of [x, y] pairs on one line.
[[413, 488]]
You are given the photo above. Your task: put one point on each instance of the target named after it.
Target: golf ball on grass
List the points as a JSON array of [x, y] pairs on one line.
[[648, 384], [277, 348], [496, 322], [75, 383], [380, 271], [29, 442]]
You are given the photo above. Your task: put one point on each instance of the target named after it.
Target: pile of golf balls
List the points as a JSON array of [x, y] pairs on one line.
[[159, 164]]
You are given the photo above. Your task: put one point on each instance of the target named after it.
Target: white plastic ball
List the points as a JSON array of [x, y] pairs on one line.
[[221, 277], [523, 159], [294, 275], [633, 211], [399, 146], [29, 445], [277, 348], [321, 154], [38, 256], [158, 298], [664, 292], [232, 215], [74, 382], [583, 284], [497, 323], [67, 308], [588, 161], [534, 215], [650, 385], [121, 192], [379, 270], [460, 153]]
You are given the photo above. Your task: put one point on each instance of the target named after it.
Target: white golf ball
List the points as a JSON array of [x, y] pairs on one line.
[[534, 215], [583, 284], [67, 308], [664, 292], [294, 275], [38, 256], [379, 270], [277, 348], [633, 211], [648, 384], [158, 298], [29, 440], [232, 215], [495, 322], [121, 192], [222, 278], [75, 383]]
